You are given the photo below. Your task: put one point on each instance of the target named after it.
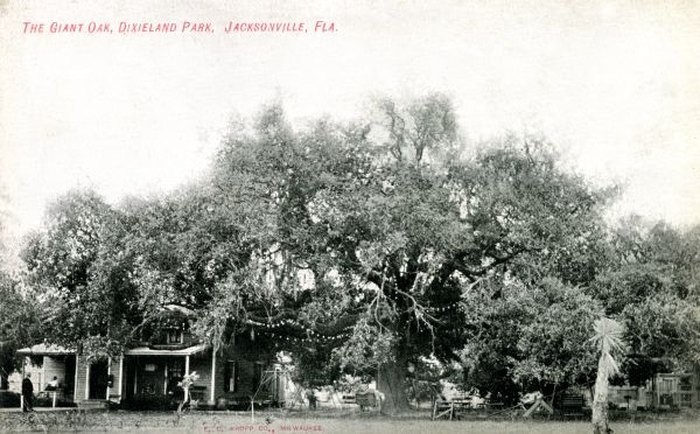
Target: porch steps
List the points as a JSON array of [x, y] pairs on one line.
[[89, 404]]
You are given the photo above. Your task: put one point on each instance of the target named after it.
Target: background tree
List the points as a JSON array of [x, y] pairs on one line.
[[650, 285], [20, 323], [19, 310], [83, 308], [528, 339], [108, 274]]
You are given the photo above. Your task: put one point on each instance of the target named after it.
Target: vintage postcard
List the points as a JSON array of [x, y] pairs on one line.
[[350, 216]]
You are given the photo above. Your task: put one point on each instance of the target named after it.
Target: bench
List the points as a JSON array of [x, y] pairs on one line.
[[55, 396], [443, 408], [572, 405], [366, 400], [451, 409], [197, 392]]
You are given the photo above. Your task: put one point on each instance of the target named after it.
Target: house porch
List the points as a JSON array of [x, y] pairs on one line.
[[155, 373]]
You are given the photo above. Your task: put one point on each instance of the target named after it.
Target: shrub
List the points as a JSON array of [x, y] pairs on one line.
[[47, 401], [150, 402], [8, 399]]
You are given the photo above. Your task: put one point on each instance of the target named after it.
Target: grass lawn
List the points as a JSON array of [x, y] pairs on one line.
[[281, 423]]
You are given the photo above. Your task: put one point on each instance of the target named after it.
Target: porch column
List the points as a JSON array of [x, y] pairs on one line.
[[42, 380], [657, 392], [109, 372], [213, 376], [24, 374], [75, 379], [187, 364], [87, 381], [136, 375], [121, 375], [165, 378]]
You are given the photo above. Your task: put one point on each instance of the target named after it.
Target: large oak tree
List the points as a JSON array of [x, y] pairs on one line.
[[393, 224]]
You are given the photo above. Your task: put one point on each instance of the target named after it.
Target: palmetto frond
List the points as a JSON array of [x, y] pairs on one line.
[[608, 364], [608, 335]]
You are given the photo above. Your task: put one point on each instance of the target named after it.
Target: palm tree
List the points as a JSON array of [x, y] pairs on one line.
[[608, 338], [187, 381]]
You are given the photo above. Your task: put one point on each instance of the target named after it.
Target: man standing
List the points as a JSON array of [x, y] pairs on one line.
[[27, 393]]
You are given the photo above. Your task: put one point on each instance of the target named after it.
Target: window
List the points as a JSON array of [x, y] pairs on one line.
[[174, 336], [686, 383], [230, 376], [258, 376], [666, 385], [175, 370]]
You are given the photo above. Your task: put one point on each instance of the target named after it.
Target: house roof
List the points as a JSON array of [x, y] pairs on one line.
[[57, 350], [45, 350], [172, 307], [147, 351]]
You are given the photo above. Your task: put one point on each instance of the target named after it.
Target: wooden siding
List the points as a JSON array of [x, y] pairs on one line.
[[115, 393], [220, 372], [251, 361], [201, 363], [81, 379], [246, 376], [54, 367], [249, 358]]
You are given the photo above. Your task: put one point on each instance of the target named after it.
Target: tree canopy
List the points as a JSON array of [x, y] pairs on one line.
[[391, 232], [365, 247]]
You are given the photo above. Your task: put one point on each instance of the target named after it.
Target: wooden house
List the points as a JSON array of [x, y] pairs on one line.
[[153, 366]]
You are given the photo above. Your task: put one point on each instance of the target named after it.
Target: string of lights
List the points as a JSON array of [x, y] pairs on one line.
[[316, 339], [311, 334], [446, 308], [314, 336]]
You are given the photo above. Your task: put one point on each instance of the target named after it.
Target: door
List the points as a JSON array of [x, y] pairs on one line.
[[69, 378], [98, 380], [130, 377]]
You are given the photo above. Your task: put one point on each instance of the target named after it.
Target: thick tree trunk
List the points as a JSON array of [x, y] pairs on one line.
[[600, 399], [391, 382]]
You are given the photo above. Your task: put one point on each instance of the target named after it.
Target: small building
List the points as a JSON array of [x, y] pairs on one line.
[[664, 391], [676, 390], [44, 362]]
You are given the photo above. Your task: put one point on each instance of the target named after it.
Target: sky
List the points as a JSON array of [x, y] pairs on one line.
[[615, 85]]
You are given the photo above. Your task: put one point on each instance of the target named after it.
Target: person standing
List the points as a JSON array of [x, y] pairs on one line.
[[27, 393]]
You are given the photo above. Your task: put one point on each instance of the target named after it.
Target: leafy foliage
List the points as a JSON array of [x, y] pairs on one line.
[[650, 286], [61, 267], [529, 338], [362, 248], [20, 324], [392, 233]]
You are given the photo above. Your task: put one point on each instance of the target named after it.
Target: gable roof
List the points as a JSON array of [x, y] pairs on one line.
[[148, 351], [186, 311]]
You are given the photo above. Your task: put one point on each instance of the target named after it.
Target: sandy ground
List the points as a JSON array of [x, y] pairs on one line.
[[286, 423]]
